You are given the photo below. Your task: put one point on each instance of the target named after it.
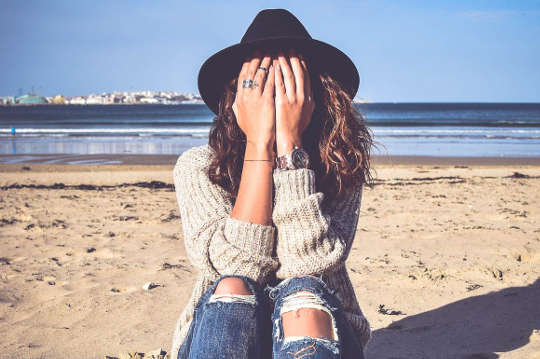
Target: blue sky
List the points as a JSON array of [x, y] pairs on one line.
[[405, 51]]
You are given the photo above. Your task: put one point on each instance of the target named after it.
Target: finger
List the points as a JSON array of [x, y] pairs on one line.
[[242, 76], [261, 75], [298, 74], [288, 77], [270, 81], [278, 83], [307, 79], [252, 67]]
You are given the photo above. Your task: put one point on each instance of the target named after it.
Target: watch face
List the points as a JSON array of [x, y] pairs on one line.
[[300, 158]]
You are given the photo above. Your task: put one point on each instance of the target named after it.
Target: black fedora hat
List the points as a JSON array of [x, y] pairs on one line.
[[274, 29]]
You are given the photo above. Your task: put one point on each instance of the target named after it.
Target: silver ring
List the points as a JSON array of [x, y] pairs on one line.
[[263, 68], [247, 83]]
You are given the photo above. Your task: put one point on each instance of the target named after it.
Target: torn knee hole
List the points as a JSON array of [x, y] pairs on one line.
[[232, 290], [304, 313], [232, 285]]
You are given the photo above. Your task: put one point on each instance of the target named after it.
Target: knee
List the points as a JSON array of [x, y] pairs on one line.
[[304, 313], [232, 285]]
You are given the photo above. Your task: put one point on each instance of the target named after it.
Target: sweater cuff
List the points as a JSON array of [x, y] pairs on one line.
[[292, 185], [251, 237]]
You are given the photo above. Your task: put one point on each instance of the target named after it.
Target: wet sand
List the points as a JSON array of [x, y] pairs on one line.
[[126, 159]]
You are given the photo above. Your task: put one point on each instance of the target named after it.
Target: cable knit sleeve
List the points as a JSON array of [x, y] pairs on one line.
[[311, 240], [214, 241]]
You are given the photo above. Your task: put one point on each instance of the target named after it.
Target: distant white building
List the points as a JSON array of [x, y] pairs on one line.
[[77, 101], [193, 101], [148, 100], [94, 100], [129, 99]]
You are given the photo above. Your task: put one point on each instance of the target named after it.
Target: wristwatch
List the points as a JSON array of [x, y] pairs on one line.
[[297, 158]]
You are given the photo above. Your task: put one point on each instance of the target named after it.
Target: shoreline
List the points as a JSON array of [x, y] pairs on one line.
[[14, 162]]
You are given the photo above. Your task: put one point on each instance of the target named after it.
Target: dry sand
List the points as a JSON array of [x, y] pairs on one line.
[[446, 260]]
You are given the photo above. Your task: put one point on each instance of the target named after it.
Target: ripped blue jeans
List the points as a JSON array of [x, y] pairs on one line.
[[246, 326]]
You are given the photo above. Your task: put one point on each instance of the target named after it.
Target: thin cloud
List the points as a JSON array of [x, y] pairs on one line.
[[497, 14]]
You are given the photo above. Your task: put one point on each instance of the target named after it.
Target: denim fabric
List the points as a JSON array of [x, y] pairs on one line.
[[229, 329], [248, 327]]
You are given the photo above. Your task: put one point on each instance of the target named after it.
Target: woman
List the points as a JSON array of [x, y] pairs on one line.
[[284, 169]]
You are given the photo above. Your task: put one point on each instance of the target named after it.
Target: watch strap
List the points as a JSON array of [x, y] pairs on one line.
[[285, 161]]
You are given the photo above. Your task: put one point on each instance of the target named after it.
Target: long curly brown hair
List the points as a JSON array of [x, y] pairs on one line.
[[337, 140]]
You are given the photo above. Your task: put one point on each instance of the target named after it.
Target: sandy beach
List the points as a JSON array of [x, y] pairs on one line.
[[445, 264]]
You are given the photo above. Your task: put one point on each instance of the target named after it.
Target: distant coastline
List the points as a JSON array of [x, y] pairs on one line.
[[105, 98], [113, 98]]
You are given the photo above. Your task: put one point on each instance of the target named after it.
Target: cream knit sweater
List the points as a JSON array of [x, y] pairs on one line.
[[310, 239]]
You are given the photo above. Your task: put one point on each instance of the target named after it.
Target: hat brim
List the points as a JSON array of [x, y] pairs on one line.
[[321, 57]]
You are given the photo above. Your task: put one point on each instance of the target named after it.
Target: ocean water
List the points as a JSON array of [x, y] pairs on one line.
[[427, 129]]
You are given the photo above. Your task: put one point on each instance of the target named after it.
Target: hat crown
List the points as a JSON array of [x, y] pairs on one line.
[[274, 23], [274, 29]]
